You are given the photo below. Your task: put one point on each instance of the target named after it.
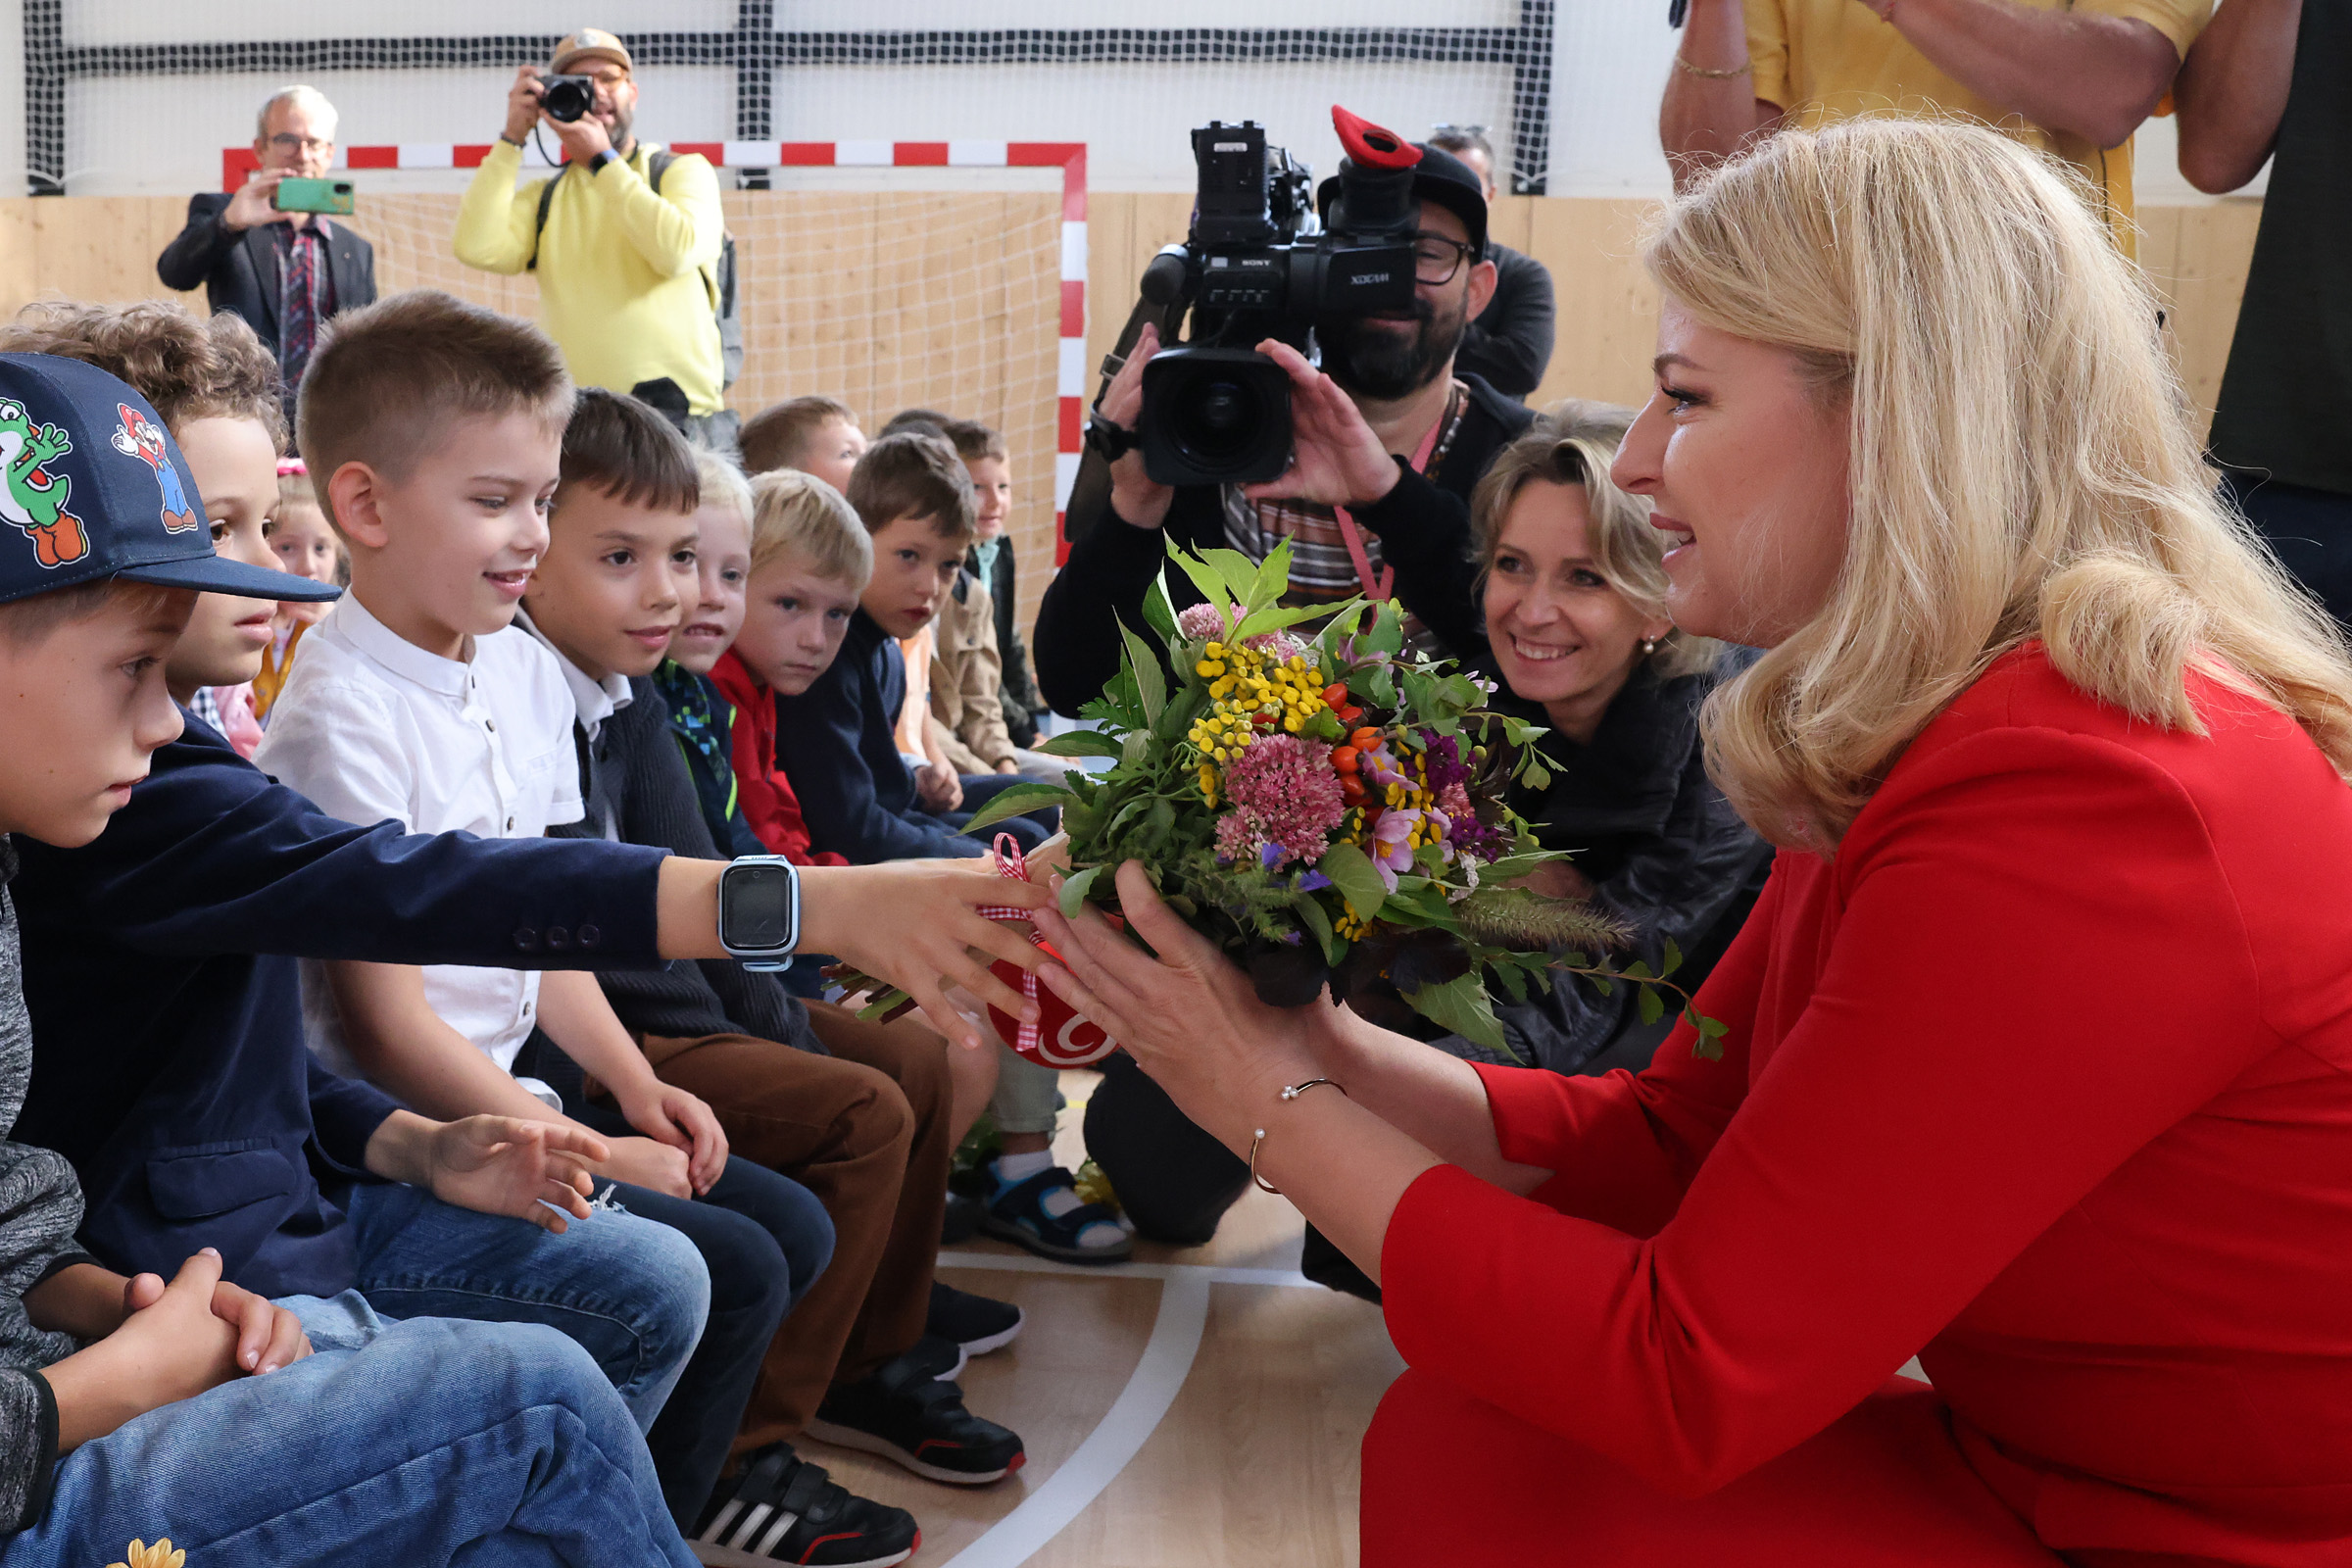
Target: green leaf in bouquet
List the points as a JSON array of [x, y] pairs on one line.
[[1121, 706], [1078, 743], [1081, 821], [1386, 635], [1073, 890], [1510, 868], [1175, 721], [1420, 691], [1460, 1007], [1352, 873], [1514, 980], [1270, 582], [1324, 726], [1535, 774], [1237, 572], [1460, 693], [1274, 617], [1134, 747], [1014, 802], [1206, 577], [1650, 1006], [1151, 680], [1711, 1031], [1310, 913], [1382, 685], [1159, 610], [1160, 821], [1674, 959], [1336, 630], [1638, 969]]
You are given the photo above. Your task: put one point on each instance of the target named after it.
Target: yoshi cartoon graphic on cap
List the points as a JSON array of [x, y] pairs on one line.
[[139, 438], [31, 498]]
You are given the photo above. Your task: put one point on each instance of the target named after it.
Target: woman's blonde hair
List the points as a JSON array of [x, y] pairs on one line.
[[796, 513], [1573, 442], [2021, 464]]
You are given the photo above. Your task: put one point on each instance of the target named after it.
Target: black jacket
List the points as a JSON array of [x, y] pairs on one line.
[[1511, 342], [1663, 849], [159, 964], [1423, 526], [239, 271], [837, 743], [634, 777]]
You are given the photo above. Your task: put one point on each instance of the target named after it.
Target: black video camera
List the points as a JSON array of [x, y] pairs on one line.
[[569, 98], [1254, 267]]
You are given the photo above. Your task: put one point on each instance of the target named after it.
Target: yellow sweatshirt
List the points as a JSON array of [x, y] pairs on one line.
[[621, 266]]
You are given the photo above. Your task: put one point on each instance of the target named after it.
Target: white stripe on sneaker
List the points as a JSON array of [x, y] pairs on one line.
[[751, 1526], [767, 1543]]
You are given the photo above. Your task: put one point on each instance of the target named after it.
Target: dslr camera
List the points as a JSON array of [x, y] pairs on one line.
[[1256, 263], [567, 98]]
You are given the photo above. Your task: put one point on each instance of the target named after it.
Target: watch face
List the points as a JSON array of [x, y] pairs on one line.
[[758, 906]]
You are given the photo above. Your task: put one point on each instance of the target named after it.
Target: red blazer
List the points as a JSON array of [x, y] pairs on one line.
[[2046, 1077], [760, 787]]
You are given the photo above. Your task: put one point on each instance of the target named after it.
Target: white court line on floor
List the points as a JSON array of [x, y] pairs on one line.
[[1215, 1273], [1158, 1378]]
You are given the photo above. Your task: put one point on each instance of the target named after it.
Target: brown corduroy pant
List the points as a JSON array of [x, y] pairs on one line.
[[866, 1129]]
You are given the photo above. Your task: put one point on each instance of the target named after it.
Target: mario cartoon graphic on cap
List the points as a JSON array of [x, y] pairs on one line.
[[140, 439], [31, 497]]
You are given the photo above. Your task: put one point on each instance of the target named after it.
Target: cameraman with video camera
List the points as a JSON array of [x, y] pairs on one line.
[[625, 238], [1388, 440]]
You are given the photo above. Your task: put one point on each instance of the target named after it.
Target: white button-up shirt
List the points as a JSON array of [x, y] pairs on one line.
[[370, 727]]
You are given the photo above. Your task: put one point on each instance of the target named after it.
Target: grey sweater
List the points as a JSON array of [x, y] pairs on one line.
[[40, 1209]]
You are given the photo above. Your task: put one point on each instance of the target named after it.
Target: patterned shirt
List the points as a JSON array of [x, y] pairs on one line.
[[1322, 569]]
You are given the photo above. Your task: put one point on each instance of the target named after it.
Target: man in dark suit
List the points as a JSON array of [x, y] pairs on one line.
[[284, 273], [1509, 344]]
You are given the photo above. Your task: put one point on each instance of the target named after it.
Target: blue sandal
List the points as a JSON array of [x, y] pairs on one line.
[[1017, 1213]]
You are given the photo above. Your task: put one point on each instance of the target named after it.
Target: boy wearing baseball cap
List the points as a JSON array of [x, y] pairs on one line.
[[132, 1409]]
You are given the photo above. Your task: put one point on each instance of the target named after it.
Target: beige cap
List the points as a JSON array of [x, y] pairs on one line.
[[591, 42]]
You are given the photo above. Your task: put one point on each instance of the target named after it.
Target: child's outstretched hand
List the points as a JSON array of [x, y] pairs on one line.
[[534, 1170], [917, 924]]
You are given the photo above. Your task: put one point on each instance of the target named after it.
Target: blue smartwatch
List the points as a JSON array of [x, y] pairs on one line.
[[759, 911]]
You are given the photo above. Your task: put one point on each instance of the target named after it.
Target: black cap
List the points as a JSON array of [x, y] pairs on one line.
[[93, 486], [1439, 177]]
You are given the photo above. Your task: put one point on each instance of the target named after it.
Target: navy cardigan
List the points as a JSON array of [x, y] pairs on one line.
[[169, 1061]]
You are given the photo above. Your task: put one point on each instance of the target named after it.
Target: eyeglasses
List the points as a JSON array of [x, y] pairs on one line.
[[1436, 259], [1441, 128], [290, 144]]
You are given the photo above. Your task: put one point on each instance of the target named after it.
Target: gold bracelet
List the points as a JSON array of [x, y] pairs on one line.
[[1711, 74], [1290, 1091]]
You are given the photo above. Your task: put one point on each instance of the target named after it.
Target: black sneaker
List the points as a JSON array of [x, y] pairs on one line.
[[905, 1413], [977, 1323], [781, 1509], [961, 1222], [939, 1359]]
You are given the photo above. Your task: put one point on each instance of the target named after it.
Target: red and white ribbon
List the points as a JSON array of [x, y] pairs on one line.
[[1061, 1037]]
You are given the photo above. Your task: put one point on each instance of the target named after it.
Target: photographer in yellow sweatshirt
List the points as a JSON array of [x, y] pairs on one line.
[[625, 238]]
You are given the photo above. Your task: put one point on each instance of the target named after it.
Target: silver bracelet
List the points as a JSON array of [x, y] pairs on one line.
[[1290, 1091]]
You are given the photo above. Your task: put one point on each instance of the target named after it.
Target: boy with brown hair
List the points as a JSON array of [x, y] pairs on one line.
[[438, 429], [815, 434], [855, 787], [981, 691], [859, 1112]]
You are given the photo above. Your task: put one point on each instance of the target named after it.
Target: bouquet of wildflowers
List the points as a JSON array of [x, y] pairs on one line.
[[1328, 807]]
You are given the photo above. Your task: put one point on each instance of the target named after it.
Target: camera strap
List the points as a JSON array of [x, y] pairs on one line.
[[1377, 589]]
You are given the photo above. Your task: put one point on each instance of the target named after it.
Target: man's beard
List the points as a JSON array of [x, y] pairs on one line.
[[1374, 360], [619, 133]]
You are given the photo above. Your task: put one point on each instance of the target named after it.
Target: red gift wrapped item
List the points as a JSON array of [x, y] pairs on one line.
[[1061, 1037]]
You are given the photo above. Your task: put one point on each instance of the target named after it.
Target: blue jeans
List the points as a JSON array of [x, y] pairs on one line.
[[631, 1292], [764, 1239], [440, 1443]]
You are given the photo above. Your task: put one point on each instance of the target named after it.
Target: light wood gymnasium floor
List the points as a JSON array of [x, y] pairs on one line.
[[1200, 1405]]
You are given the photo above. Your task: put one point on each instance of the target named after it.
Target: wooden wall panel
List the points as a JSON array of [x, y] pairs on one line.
[[949, 299]]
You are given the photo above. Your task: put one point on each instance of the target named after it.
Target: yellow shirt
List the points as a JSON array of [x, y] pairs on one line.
[[1829, 59], [621, 266]]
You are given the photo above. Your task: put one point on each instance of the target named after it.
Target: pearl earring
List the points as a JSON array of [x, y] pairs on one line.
[[1649, 646]]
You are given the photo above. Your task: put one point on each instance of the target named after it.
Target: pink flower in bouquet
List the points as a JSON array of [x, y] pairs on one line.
[[1285, 797], [1200, 621], [1393, 844]]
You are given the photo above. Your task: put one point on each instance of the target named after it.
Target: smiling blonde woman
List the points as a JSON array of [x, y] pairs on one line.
[[2040, 1063]]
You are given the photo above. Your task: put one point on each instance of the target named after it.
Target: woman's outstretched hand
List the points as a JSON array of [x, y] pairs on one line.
[[1190, 1017]]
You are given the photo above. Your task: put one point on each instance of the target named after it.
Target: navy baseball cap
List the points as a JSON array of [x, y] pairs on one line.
[[93, 486]]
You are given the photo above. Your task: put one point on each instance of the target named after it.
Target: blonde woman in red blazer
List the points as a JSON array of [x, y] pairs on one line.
[[2040, 1051]]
